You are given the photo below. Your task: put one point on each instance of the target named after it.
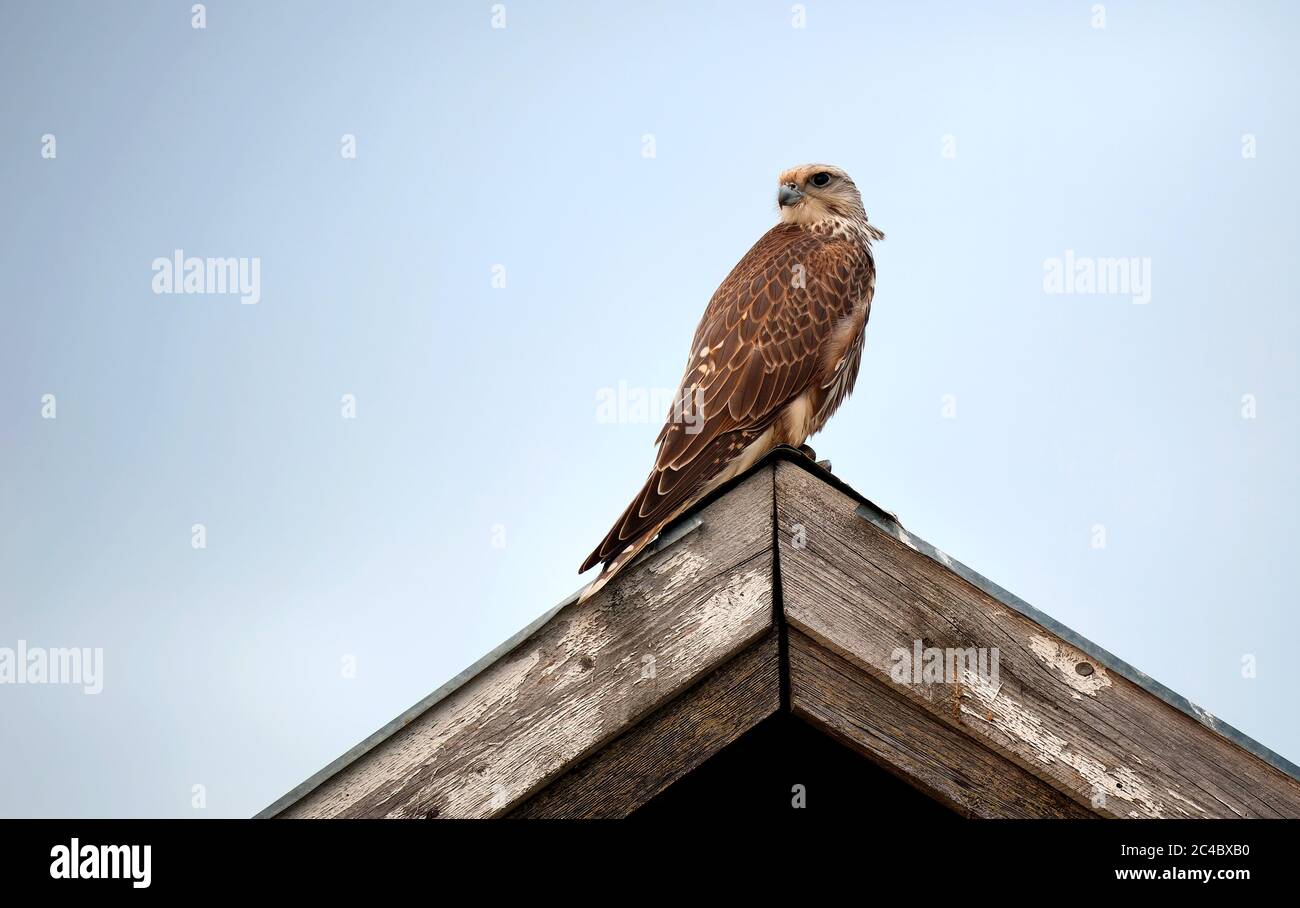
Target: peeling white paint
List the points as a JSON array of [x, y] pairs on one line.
[[1066, 659], [682, 566], [1019, 722], [726, 612]]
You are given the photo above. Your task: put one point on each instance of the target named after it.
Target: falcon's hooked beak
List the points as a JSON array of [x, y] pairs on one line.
[[788, 195]]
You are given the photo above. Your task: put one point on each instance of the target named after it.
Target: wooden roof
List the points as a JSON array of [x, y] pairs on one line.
[[787, 592]]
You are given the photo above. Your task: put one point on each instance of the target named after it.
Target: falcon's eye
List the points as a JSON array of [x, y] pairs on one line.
[[821, 179]]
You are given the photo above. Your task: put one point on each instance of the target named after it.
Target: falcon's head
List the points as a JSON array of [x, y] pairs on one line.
[[816, 192]]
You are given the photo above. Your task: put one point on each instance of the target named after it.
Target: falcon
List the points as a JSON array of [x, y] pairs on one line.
[[774, 356]]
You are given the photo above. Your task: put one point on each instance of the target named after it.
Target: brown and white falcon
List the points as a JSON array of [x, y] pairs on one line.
[[776, 353]]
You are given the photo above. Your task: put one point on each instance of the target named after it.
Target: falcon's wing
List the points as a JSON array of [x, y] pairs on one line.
[[759, 346]]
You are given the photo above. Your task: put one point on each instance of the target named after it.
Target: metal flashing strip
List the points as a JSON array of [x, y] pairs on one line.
[[671, 536]]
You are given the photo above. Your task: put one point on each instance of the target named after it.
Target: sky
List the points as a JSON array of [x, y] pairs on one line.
[[282, 522]]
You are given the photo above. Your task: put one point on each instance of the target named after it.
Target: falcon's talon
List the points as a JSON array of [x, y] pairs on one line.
[[825, 465], [808, 452]]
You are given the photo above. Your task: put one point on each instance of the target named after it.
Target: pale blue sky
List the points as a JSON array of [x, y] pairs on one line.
[[476, 407]]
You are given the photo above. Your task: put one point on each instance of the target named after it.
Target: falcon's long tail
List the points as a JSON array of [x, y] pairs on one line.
[[667, 494], [620, 561]]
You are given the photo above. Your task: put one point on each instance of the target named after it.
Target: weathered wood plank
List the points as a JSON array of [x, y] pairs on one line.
[[1097, 737], [849, 704], [668, 744], [577, 682]]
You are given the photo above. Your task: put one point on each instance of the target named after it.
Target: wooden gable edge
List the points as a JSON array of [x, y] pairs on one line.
[[527, 803], [889, 524], [703, 595], [860, 588]]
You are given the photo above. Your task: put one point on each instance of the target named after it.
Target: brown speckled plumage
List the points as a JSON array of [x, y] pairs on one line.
[[776, 353]]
